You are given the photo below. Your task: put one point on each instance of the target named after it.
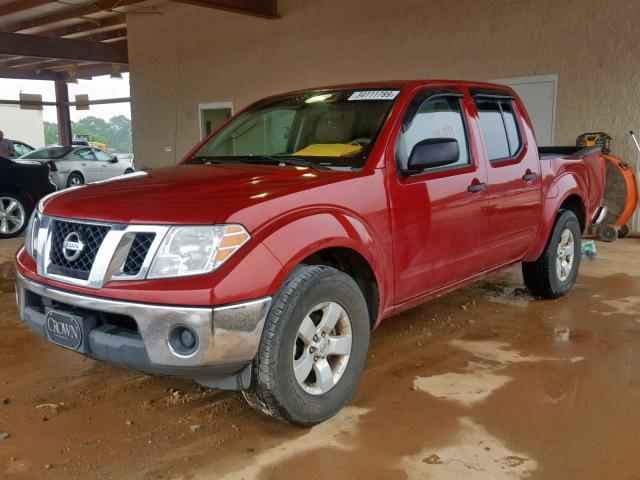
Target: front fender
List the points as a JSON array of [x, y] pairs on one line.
[[564, 186], [299, 238]]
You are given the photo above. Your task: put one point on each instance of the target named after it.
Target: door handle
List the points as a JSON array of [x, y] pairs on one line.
[[476, 187], [527, 177]]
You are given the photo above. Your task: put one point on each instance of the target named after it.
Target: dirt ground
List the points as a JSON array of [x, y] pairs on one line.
[[485, 383]]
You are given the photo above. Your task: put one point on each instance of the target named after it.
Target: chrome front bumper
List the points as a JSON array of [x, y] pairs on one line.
[[226, 335]]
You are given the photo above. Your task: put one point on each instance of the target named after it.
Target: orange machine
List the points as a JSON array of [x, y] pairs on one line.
[[619, 229]]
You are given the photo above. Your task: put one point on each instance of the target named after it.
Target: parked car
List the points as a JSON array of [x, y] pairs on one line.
[[264, 260], [21, 186], [77, 165], [21, 148]]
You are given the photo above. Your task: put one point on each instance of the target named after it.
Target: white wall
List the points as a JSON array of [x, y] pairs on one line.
[[24, 125]]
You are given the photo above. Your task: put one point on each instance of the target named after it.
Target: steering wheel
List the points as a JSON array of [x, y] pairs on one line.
[[361, 141]]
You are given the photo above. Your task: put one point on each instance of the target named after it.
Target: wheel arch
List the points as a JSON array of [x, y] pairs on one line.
[[338, 240], [357, 267], [16, 190], [573, 201]]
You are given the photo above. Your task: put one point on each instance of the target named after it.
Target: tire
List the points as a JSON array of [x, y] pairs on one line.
[[15, 212], [75, 179], [542, 277], [128, 171], [623, 231], [608, 233], [275, 390]]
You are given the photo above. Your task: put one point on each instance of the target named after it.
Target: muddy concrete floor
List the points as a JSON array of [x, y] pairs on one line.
[[485, 383]]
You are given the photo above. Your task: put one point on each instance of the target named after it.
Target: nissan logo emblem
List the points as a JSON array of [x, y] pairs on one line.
[[72, 246]]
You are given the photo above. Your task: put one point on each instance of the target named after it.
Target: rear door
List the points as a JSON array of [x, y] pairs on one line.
[[439, 214], [513, 175]]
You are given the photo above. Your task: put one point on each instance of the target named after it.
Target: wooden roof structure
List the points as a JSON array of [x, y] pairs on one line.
[[66, 39]]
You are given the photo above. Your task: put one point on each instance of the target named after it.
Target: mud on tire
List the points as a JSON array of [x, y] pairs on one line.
[[274, 387]]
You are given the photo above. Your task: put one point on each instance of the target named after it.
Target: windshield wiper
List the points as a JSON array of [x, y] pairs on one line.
[[293, 161], [209, 161]]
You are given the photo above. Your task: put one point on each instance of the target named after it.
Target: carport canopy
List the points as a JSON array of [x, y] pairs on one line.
[[63, 41]]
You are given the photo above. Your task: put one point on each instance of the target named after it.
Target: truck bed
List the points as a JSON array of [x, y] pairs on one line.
[[547, 153]]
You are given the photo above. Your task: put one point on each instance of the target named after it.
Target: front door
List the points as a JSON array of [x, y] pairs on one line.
[[108, 168], [439, 214]]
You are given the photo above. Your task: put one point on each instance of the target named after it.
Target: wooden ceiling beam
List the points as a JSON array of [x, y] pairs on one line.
[[86, 27], [62, 48], [256, 8], [19, 5], [66, 14], [30, 74]]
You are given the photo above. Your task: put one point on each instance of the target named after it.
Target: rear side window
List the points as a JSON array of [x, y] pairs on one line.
[[499, 128]]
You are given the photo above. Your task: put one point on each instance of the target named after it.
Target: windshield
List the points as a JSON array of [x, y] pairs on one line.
[[50, 153], [323, 129]]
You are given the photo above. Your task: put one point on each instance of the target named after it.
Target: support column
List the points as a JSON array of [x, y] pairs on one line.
[[64, 117]]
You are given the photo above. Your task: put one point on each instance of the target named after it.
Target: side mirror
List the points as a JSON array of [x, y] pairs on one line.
[[114, 159], [433, 152]]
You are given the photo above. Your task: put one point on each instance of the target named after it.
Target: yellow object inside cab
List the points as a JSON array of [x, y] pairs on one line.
[[329, 150]]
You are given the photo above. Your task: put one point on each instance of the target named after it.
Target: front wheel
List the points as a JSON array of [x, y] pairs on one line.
[[553, 274], [313, 349]]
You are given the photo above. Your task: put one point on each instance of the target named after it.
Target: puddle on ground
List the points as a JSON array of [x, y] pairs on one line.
[[329, 434], [480, 379], [623, 306], [476, 454]]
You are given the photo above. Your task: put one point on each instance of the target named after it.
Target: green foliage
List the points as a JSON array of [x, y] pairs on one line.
[[116, 132], [50, 133]]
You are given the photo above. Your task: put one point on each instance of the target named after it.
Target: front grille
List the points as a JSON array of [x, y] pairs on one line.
[[137, 254], [90, 235]]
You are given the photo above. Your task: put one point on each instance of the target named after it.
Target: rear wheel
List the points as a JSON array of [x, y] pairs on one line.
[[555, 272], [623, 231], [75, 179], [14, 214], [313, 348]]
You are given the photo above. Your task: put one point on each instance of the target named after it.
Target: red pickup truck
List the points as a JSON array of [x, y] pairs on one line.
[[262, 262]]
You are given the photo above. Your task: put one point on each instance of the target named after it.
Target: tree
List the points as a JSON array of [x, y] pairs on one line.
[[50, 133], [116, 133]]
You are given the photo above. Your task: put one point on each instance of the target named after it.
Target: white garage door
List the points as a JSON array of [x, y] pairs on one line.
[[539, 96]]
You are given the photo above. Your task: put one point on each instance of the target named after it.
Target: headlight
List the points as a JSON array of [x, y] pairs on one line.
[[196, 250], [31, 237]]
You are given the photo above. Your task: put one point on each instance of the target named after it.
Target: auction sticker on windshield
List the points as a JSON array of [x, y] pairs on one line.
[[374, 95]]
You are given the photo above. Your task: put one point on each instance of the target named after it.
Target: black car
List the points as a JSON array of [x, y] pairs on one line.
[[21, 186]]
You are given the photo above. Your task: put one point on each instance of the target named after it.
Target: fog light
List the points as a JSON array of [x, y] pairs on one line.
[[183, 340]]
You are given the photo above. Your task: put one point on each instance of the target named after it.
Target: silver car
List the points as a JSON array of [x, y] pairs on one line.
[[77, 165]]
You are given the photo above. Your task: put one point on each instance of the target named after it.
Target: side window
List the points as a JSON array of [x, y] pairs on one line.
[[499, 128], [439, 117], [20, 149], [85, 154], [102, 156]]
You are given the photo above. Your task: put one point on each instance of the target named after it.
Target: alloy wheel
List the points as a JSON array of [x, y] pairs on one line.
[[566, 254], [322, 348], [12, 215]]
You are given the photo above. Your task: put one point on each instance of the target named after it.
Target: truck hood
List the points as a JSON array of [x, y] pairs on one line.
[[186, 194]]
